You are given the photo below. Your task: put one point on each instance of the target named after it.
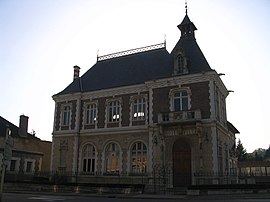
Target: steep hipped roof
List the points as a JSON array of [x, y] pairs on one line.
[[188, 47], [137, 68], [123, 71], [191, 50]]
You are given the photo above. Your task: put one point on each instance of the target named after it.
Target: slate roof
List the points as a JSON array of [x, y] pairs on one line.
[[186, 21], [192, 51], [123, 71], [14, 129], [139, 67]]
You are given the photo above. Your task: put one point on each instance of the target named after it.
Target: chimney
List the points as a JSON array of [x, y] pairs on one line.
[[23, 127], [76, 72]]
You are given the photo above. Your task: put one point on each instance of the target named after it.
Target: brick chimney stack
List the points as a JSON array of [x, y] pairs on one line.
[[23, 127], [76, 72]]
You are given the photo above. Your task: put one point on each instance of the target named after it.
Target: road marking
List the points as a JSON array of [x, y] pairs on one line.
[[46, 198]]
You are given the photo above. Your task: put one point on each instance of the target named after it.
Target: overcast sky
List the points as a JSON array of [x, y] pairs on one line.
[[41, 41]]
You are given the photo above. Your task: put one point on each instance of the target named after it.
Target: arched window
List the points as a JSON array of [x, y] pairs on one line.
[[138, 158], [88, 158], [112, 156], [181, 64], [180, 101]]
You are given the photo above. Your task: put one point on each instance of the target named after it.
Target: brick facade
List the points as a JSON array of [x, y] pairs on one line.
[[164, 117]]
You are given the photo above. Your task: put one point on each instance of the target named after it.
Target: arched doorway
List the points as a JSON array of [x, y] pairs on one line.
[[181, 164]]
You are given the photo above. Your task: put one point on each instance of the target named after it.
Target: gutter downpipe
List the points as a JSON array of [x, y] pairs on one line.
[[78, 132]]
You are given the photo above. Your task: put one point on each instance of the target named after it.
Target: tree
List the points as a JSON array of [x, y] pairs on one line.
[[241, 152], [267, 153]]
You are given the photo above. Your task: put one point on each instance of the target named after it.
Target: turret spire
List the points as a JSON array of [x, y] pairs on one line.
[[186, 27]]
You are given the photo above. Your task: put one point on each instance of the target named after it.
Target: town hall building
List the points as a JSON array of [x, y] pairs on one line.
[[146, 116]]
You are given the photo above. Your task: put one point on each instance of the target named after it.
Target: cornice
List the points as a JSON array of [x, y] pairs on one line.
[[117, 130], [139, 88], [67, 97]]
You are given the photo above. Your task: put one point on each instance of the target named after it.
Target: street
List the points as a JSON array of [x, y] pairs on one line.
[[12, 197]]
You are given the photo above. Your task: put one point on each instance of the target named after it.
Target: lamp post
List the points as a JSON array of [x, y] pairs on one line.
[[8, 144]]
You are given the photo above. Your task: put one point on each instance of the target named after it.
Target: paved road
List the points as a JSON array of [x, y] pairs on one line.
[[9, 197]]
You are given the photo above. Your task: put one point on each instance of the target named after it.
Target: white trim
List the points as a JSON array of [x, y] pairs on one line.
[[140, 88], [33, 161], [104, 156], [75, 152], [131, 107], [107, 102], [84, 114], [212, 99], [61, 115], [214, 148], [150, 106], [17, 164], [180, 89]]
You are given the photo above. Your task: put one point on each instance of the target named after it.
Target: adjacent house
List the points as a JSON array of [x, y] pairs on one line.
[[146, 116], [29, 154]]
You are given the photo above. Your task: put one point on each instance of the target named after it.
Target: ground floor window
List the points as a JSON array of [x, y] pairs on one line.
[[138, 158], [112, 156], [88, 158]]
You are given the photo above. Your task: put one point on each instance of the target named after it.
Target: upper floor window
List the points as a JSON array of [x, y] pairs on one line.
[[180, 101], [138, 158], [91, 114], [66, 115], [114, 111], [139, 109], [88, 158]]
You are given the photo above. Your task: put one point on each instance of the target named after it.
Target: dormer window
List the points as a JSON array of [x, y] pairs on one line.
[[180, 64]]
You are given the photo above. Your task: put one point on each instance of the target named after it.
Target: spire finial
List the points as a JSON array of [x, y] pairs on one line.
[[186, 6]]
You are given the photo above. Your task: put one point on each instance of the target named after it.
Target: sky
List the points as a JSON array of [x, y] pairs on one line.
[[41, 41]]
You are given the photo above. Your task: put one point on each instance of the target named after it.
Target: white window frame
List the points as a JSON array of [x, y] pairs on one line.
[[90, 113], [181, 97], [138, 158], [89, 157], [112, 152], [17, 164], [139, 109], [33, 161], [66, 113], [113, 111]]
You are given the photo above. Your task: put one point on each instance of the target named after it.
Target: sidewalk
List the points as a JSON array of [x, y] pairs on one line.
[[154, 196]]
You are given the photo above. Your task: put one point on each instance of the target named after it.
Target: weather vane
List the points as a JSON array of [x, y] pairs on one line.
[[186, 6]]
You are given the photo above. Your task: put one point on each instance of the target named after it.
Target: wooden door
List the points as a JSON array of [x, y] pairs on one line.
[[181, 164]]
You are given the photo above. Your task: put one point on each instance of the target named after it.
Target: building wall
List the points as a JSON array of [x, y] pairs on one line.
[[203, 135], [35, 145]]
